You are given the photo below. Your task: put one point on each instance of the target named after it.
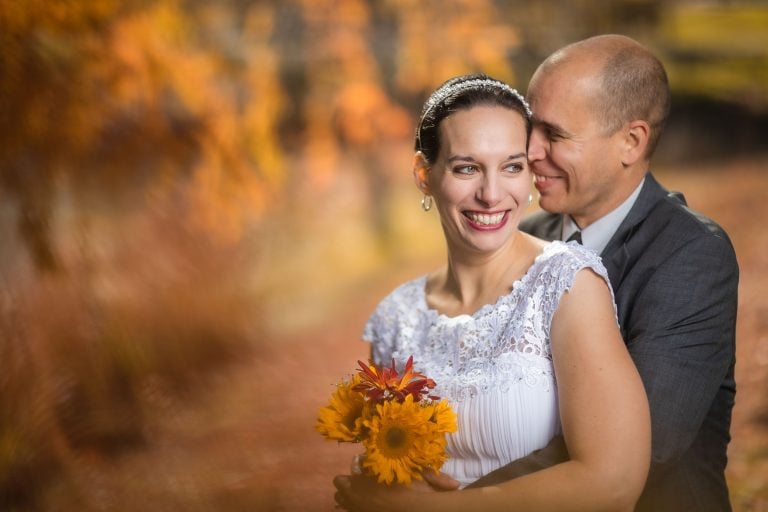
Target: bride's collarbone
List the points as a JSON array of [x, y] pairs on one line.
[[451, 304], [453, 292]]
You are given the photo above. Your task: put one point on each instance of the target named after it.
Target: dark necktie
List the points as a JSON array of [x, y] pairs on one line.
[[575, 236]]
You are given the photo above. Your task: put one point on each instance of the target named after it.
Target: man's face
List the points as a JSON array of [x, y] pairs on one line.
[[575, 164]]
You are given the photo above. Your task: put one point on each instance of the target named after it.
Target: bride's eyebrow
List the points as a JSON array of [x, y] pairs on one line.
[[466, 158], [463, 158]]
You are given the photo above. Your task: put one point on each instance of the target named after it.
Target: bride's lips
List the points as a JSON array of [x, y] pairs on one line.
[[486, 221]]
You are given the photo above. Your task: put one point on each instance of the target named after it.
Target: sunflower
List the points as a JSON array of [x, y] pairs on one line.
[[403, 441], [443, 416], [341, 419]]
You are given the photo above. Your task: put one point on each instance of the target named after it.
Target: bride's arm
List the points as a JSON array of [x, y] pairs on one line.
[[605, 419]]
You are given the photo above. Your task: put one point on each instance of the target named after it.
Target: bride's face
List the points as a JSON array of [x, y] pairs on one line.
[[480, 181]]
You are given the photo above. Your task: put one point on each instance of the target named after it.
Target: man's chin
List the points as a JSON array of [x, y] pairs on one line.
[[550, 205]]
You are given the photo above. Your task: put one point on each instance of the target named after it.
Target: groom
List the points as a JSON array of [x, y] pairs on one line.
[[599, 106]]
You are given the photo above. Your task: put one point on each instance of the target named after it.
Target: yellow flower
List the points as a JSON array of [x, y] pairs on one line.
[[444, 416], [403, 441], [341, 419]]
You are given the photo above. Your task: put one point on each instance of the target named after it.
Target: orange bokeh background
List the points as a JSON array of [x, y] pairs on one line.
[[202, 201]]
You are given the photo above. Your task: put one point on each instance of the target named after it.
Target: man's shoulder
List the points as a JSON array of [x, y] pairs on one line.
[[674, 231], [542, 224], [675, 216]]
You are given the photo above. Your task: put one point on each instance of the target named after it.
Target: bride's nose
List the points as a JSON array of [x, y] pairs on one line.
[[489, 191]]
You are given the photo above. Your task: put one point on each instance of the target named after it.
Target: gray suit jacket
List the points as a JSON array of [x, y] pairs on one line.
[[674, 275]]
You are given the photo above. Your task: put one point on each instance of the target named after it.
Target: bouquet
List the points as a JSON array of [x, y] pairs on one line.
[[401, 425]]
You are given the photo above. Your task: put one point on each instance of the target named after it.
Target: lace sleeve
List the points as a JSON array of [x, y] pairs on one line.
[[392, 319], [381, 345], [564, 265]]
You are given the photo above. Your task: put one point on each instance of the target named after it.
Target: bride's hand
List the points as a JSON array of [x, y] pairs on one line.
[[356, 468], [433, 480], [439, 481], [362, 493]]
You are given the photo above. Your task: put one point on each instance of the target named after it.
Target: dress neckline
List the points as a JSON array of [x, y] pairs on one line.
[[482, 310]]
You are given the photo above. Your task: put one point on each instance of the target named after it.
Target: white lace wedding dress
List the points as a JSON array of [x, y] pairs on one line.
[[495, 366]]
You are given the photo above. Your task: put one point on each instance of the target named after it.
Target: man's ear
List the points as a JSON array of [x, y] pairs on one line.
[[636, 135], [421, 172]]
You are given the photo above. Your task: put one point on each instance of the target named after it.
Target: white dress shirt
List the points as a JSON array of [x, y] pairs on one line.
[[597, 235]]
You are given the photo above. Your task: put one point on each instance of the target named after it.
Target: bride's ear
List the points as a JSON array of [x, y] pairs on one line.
[[421, 172]]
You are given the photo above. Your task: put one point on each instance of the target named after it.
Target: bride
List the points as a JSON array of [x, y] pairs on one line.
[[519, 334]]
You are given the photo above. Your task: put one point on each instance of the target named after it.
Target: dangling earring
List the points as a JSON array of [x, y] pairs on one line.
[[530, 198], [426, 203]]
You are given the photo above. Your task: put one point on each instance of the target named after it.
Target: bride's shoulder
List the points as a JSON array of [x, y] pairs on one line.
[[558, 250], [565, 259], [401, 306], [407, 294]]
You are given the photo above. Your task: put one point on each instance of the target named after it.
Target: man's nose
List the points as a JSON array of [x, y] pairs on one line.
[[537, 146]]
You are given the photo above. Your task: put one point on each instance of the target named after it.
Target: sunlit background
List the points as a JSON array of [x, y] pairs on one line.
[[201, 202]]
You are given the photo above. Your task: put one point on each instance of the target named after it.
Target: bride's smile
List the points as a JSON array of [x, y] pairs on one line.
[[480, 181], [486, 221]]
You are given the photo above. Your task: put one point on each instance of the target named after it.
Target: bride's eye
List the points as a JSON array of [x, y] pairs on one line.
[[465, 169], [514, 168]]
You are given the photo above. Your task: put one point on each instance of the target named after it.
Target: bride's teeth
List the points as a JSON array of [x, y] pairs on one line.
[[485, 219]]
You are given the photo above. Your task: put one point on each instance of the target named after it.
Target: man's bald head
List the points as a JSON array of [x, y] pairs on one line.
[[629, 81]]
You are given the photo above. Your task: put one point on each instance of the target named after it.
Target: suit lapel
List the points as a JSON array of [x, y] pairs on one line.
[[553, 228], [616, 254]]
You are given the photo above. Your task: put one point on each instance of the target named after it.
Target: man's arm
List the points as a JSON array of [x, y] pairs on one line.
[[680, 332], [554, 453]]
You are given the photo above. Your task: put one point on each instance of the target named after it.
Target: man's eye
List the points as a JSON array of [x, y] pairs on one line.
[[554, 135]]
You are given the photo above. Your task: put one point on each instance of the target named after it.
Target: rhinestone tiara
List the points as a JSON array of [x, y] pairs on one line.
[[442, 94]]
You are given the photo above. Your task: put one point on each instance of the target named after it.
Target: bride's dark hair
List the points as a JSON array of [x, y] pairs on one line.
[[464, 92]]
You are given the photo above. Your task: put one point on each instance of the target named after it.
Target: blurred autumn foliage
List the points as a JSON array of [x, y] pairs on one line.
[[153, 154], [179, 179], [231, 105], [107, 97]]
